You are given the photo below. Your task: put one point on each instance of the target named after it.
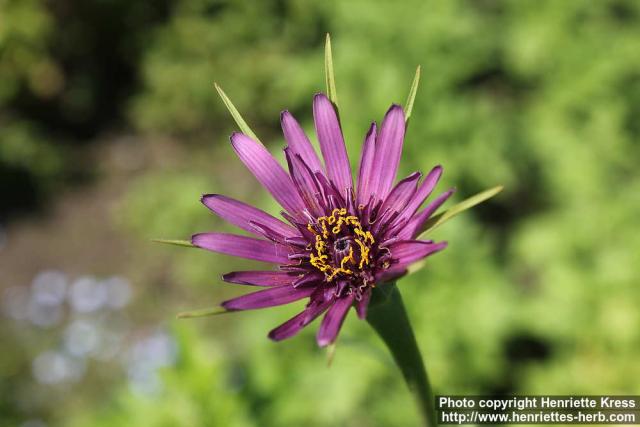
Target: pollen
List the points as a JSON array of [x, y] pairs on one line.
[[331, 232]]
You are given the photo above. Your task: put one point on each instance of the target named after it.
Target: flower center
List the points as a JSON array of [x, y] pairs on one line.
[[341, 245]]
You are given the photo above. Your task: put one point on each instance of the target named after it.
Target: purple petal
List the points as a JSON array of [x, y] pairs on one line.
[[437, 202], [401, 193], [260, 278], [363, 304], [407, 252], [269, 234], [417, 223], [332, 143], [329, 190], [313, 278], [391, 274], [297, 241], [271, 297], [421, 194], [387, 217], [301, 226], [350, 203], [268, 171], [241, 246], [333, 320], [296, 323], [240, 214], [388, 151], [298, 141], [366, 164], [305, 182]]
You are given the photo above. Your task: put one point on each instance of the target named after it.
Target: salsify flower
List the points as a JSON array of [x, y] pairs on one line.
[[340, 239]]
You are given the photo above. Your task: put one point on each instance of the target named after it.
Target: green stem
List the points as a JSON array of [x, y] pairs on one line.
[[389, 319]]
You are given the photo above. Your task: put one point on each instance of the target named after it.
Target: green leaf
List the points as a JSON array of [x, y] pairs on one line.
[[202, 313], [331, 352], [412, 95], [184, 243], [441, 218], [388, 317], [328, 71], [244, 127]]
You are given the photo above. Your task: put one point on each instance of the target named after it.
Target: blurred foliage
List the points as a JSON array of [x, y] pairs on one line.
[[66, 68], [538, 289], [198, 392]]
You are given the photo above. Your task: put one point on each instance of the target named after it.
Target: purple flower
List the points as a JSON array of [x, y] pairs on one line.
[[340, 240]]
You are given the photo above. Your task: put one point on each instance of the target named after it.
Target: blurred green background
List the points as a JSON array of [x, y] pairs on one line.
[[110, 130]]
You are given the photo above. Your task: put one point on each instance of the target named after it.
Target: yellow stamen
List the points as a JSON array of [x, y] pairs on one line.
[[347, 258], [341, 222]]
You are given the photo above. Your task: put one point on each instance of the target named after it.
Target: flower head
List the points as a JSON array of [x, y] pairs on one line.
[[339, 240]]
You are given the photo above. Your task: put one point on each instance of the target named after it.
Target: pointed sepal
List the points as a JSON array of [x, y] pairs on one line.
[[242, 124]]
